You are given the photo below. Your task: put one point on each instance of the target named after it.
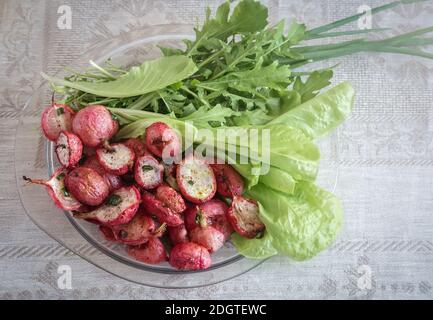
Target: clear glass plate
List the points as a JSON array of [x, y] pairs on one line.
[[34, 157]]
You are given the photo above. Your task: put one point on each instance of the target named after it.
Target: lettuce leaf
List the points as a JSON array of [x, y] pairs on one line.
[[321, 114], [258, 248], [150, 76], [303, 224]]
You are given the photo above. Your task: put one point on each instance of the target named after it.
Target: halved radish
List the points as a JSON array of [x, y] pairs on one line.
[[68, 149], [190, 256], [152, 252], [162, 140], [196, 180], [148, 172], [162, 212], [178, 234], [116, 158], [204, 214], [87, 186], [58, 192], [55, 119], [208, 237], [170, 175], [137, 231], [94, 125], [171, 198], [119, 208], [114, 182], [229, 182], [138, 146], [243, 215], [107, 232]]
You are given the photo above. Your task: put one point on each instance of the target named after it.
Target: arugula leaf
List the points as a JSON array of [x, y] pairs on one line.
[[150, 76], [315, 82]]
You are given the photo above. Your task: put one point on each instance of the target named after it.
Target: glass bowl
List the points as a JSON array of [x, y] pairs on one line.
[[34, 157]]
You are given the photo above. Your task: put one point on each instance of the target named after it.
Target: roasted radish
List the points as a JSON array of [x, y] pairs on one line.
[[119, 208], [162, 140], [178, 234], [69, 149], [196, 180], [137, 231], [107, 232], [243, 215], [116, 159], [171, 198], [58, 192], [170, 175], [190, 256], [87, 186], [114, 182], [55, 119], [212, 213], [94, 125], [208, 237], [160, 210], [152, 252], [148, 172], [229, 182], [137, 145]]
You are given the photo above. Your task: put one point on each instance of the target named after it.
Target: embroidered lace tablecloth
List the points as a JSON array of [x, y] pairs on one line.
[[385, 149]]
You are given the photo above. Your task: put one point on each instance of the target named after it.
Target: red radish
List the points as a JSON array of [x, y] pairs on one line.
[[162, 140], [170, 175], [243, 215], [114, 182], [137, 231], [208, 237], [68, 149], [211, 213], [55, 119], [148, 172], [58, 192], [94, 125], [87, 186], [138, 146], [119, 208], [229, 182], [162, 212], [178, 234], [171, 198], [190, 256], [107, 232], [152, 252], [196, 180], [116, 159]]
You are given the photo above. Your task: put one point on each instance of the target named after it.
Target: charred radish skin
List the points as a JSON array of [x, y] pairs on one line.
[[208, 237], [178, 234], [162, 141], [138, 146], [114, 182], [148, 172], [196, 180], [137, 231], [116, 159], [69, 149], [94, 125], [107, 233], [87, 186], [58, 192], [55, 119], [229, 182], [163, 213], [190, 256], [243, 215], [152, 252], [171, 198], [119, 208]]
